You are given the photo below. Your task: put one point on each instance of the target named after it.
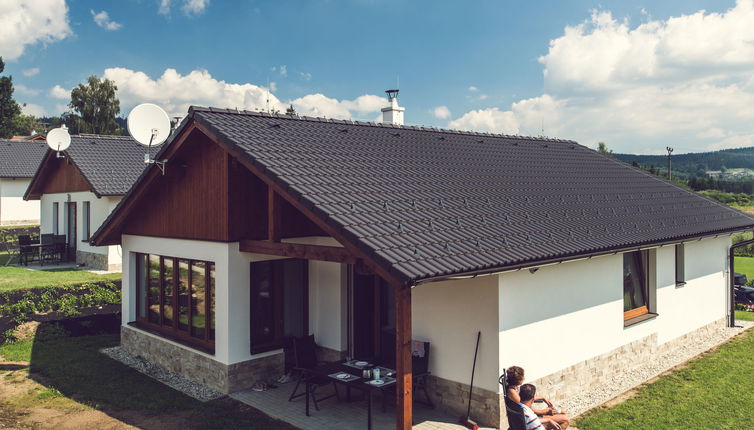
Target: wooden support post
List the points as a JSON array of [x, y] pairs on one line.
[[403, 384], [273, 216]]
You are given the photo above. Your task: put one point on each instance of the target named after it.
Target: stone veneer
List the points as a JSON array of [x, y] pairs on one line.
[[92, 260], [451, 397], [200, 367]]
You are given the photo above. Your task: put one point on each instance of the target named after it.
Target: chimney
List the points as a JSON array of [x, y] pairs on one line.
[[393, 114]]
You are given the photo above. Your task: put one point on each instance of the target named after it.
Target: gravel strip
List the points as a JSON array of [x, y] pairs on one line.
[[173, 380], [652, 368]]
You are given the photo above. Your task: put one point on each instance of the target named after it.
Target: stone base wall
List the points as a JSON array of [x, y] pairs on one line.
[[199, 367], [452, 397], [92, 260], [591, 373]]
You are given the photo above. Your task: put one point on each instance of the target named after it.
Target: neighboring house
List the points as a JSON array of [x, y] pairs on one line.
[[78, 189], [34, 137], [572, 264], [18, 162]]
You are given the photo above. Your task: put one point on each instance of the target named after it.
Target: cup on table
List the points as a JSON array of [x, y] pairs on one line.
[[366, 374]]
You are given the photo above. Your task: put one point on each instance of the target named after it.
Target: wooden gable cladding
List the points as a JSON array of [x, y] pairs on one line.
[[58, 175]]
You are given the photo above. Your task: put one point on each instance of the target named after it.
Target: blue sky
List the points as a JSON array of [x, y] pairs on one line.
[[611, 71]]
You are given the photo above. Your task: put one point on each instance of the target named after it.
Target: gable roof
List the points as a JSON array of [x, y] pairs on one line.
[[20, 159], [110, 164], [426, 203]]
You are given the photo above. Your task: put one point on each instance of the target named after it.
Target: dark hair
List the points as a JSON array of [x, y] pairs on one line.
[[515, 376], [527, 392]]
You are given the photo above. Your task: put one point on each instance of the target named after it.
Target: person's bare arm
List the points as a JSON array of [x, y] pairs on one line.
[[553, 423], [547, 411], [513, 395]]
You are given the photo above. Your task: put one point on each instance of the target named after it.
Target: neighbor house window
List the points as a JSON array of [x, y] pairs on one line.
[[176, 297], [279, 302], [635, 284], [86, 216], [55, 218], [680, 266]]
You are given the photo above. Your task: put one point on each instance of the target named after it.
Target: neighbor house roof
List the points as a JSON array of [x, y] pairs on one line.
[[109, 164], [20, 159], [426, 203]]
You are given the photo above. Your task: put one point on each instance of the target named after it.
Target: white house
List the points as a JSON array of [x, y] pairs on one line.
[[18, 162], [77, 189], [266, 226]]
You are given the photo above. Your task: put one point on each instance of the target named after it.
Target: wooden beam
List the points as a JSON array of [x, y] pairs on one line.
[[403, 384], [274, 218], [297, 250]]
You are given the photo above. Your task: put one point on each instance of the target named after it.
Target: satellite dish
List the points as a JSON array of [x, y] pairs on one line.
[[58, 139], [148, 124]]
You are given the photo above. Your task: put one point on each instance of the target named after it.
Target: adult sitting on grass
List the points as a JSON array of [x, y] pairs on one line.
[[514, 379], [533, 421]]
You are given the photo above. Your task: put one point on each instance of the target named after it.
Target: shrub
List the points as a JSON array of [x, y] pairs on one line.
[[68, 300]]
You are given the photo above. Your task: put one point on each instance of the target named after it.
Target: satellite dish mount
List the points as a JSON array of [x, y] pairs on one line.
[[149, 125], [59, 140]]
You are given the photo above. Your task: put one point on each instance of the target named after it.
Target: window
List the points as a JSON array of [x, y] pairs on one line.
[[176, 297], [680, 266], [279, 302], [85, 221], [55, 218], [635, 284]]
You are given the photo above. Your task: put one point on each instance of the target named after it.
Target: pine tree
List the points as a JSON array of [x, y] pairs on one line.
[[9, 109]]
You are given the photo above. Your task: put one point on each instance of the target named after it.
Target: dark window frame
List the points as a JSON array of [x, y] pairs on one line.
[[640, 311], [172, 332], [55, 218], [680, 265], [86, 220], [278, 316]]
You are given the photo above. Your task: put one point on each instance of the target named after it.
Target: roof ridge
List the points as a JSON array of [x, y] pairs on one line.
[[102, 136], [193, 109]]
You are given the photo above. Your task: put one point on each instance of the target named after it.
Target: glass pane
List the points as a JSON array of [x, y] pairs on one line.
[[198, 299], [142, 284], [182, 289], [211, 287], [153, 315], [167, 285], [634, 280], [294, 295], [262, 305]]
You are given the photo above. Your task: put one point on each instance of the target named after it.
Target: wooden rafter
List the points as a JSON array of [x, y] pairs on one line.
[[297, 250]]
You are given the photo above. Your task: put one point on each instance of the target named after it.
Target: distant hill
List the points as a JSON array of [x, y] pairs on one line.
[[696, 164]]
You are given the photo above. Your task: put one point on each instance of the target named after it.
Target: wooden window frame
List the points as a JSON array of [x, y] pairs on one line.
[[173, 333], [278, 307], [638, 312]]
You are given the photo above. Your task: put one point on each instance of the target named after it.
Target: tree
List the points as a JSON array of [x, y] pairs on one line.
[[290, 111], [95, 106], [602, 149], [9, 109], [25, 125]]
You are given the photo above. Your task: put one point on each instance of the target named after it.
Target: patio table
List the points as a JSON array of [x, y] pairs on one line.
[[355, 381], [40, 247]]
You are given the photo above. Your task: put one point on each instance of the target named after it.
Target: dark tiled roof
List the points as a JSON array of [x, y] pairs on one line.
[[20, 159], [428, 202], [111, 164]]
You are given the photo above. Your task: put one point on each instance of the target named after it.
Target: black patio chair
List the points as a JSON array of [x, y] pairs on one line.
[[61, 246], [419, 368], [25, 250], [513, 410], [48, 248], [305, 355], [9, 245]]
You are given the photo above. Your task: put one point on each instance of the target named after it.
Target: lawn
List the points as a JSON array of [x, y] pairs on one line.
[[13, 278], [745, 265], [71, 370], [711, 392]]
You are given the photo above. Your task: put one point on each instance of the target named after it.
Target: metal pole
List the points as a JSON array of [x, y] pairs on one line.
[[670, 165]]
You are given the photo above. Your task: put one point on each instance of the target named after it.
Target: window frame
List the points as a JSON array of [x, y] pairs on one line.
[[640, 311], [172, 331], [680, 265], [55, 218], [86, 221], [278, 297]]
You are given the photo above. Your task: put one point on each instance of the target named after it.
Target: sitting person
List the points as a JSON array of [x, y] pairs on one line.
[[533, 421], [513, 381]]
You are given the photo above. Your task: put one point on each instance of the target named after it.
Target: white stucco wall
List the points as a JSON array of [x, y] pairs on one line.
[[100, 208], [566, 313], [449, 315], [13, 208]]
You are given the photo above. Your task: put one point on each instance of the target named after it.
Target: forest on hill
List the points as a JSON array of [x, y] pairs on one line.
[[698, 164]]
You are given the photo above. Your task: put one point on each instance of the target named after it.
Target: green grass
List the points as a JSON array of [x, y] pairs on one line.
[[745, 316], [711, 392], [745, 265], [73, 367], [13, 278]]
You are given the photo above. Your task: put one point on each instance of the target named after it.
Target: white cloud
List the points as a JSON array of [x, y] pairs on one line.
[[103, 20], [686, 80], [441, 112], [34, 71], [59, 92], [305, 76], [164, 8], [23, 89], [273, 86], [473, 89], [176, 92], [27, 22], [491, 120], [33, 110], [283, 70], [194, 7]]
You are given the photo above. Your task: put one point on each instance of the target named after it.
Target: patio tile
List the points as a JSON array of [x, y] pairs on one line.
[[337, 415]]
